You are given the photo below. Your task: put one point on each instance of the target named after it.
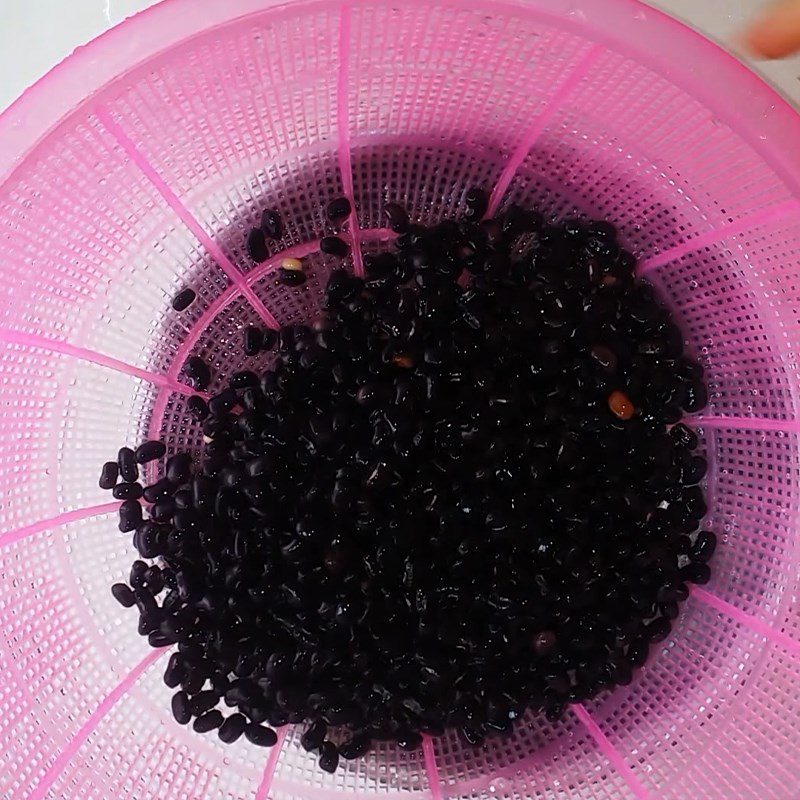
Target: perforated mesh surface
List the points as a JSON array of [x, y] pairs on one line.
[[153, 184]]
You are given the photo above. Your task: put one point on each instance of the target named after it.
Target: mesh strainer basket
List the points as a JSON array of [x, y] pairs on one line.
[[138, 167]]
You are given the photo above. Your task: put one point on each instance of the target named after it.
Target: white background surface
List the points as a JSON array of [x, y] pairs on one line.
[[36, 34]]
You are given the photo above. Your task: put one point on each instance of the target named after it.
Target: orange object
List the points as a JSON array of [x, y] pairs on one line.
[[776, 33], [621, 405], [404, 361]]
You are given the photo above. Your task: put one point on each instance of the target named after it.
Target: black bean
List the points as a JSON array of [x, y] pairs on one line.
[[314, 736], [197, 372], [223, 402], [147, 540], [150, 451], [658, 629], [272, 223], [354, 748], [253, 340], [130, 515], [109, 475], [338, 209], [175, 671], [179, 468], [328, 757], [696, 573], [183, 299], [684, 436], [204, 701], [257, 245], [261, 736], [232, 728], [136, 576], [397, 217], [424, 516], [604, 357], [126, 459], [334, 246], [291, 277], [123, 594], [154, 579], [669, 610], [409, 740], [703, 547], [158, 639], [208, 721], [197, 407], [243, 379], [477, 201], [127, 491], [180, 708], [160, 490], [695, 470], [696, 397]]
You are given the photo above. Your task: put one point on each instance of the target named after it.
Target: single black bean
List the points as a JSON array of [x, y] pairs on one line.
[[257, 245], [477, 201], [109, 475], [197, 372], [338, 209], [184, 299], [270, 338], [223, 402], [232, 728], [243, 379], [696, 573], [334, 246], [604, 357], [272, 223], [179, 468], [356, 747], [127, 491], [261, 736], [175, 671], [147, 540], [291, 277], [197, 407], [695, 470], [314, 736], [130, 515], [160, 490], [396, 217], [123, 594], [328, 757], [703, 548], [158, 639], [204, 701], [154, 580], [253, 340], [696, 397], [150, 451], [684, 436], [137, 573], [126, 459], [208, 721], [409, 740], [180, 708], [658, 629]]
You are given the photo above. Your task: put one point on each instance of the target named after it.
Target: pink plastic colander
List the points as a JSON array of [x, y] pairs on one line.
[[138, 166]]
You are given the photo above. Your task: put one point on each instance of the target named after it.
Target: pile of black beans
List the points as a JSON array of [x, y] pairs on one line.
[[462, 491]]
